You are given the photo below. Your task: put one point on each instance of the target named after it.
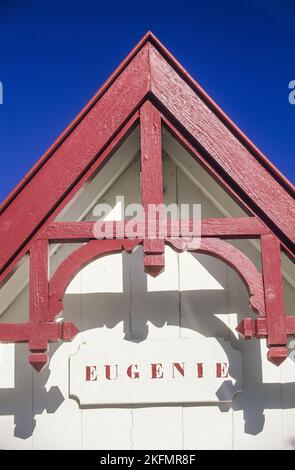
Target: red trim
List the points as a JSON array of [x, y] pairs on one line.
[[23, 332]]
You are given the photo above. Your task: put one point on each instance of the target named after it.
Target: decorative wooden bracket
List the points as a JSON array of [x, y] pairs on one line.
[[37, 334], [38, 331], [276, 326], [258, 328], [45, 300]]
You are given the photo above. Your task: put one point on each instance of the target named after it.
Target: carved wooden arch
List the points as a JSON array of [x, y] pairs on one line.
[[77, 261], [95, 249], [236, 260]]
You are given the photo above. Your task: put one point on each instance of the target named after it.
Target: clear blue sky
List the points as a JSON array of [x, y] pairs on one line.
[[56, 53]]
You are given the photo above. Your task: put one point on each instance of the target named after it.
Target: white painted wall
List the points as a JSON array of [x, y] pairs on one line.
[[112, 298]]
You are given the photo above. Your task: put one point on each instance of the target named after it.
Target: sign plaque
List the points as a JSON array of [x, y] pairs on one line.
[[180, 370]]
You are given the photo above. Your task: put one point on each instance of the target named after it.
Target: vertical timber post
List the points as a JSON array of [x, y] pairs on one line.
[[152, 187], [274, 299], [38, 343]]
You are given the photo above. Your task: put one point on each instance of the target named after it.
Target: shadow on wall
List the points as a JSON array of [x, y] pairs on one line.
[[195, 310]]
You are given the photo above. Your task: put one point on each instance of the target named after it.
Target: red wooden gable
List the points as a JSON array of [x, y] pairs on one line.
[[151, 88]]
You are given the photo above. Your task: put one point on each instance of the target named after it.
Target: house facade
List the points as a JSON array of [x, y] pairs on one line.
[[147, 278]]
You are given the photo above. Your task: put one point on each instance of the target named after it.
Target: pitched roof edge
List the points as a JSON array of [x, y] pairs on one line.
[[258, 154], [89, 105], [150, 37]]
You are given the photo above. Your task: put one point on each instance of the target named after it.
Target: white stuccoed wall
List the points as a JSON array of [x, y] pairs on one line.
[[113, 299]]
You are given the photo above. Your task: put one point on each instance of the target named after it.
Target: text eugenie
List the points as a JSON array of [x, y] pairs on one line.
[[155, 371]]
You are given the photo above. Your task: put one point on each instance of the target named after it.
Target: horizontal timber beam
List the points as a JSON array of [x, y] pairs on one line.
[[240, 227], [257, 327], [37, 332]]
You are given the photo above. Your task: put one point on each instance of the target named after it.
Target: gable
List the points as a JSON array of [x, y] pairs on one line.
[[93, 135], [150, 91]]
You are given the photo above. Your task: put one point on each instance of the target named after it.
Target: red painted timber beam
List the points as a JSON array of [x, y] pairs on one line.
[[42, 331], [258, 328], [239, 227], [274, 298], [39, 281], [151, 185]]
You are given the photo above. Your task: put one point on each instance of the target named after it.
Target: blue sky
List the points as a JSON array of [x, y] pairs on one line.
[[56, 54]]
